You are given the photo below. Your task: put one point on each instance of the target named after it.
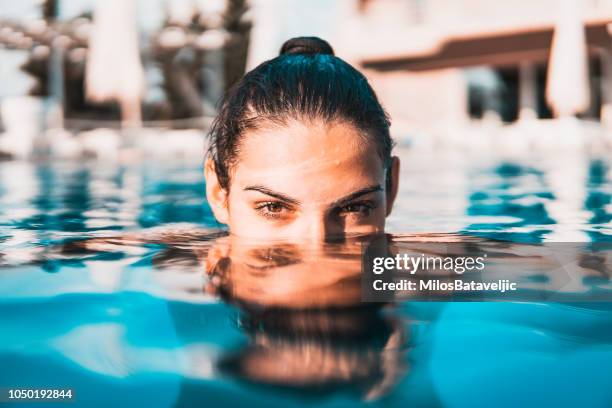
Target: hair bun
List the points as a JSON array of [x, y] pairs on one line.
[[306, 45]]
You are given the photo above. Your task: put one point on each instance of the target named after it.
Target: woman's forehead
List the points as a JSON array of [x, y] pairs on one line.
[[325, 161], [306, 147]]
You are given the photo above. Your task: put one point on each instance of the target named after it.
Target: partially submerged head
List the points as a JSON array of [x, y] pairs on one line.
[[301, 149]]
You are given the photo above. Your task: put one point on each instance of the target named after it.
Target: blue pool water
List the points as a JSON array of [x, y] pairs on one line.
[[104, 289]]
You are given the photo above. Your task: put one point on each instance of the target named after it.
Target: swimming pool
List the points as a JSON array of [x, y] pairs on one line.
[[103, 290]]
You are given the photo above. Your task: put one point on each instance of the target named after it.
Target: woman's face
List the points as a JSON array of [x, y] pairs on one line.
[[313, 181]]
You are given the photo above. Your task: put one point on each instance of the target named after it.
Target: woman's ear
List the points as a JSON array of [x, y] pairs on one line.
[[393, 183], [216, 195]]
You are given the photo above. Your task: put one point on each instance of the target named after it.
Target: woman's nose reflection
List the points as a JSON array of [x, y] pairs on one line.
[[301, 308]]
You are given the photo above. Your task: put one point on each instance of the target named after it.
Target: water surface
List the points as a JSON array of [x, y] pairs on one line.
[[116, 281]]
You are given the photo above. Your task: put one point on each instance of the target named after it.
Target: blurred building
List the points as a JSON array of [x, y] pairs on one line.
[[190, 51], [453, 61], [433, 62]]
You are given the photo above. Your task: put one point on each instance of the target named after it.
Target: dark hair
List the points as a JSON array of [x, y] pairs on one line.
[[306, 81]]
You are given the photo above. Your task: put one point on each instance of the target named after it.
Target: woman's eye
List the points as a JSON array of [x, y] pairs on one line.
[[274, 207], [357, 208], [271, 209]]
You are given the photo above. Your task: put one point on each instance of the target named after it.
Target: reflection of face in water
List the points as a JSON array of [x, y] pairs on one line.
[[309, 181], [301, 308]]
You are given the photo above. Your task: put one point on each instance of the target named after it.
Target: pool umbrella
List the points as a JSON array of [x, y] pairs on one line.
[[114, 70], [567, 88]]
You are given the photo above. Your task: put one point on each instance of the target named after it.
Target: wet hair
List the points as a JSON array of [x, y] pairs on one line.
[[306, 82]]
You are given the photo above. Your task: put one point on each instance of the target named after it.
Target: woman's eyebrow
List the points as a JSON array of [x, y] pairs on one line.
[[339, 202], [271, 193], [357, 194]]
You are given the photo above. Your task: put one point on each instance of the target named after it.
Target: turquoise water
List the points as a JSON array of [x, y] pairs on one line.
[[104, 289]]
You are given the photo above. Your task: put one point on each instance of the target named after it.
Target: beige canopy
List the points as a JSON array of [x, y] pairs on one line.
[[114, 69]]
